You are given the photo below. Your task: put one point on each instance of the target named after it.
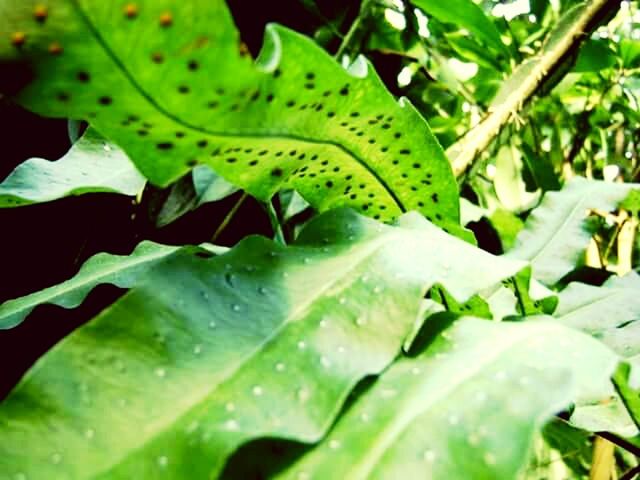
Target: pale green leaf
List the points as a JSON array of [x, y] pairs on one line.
[[265, 340], [120, 270], [609, 313], [509, 185], [468, 407], [554, 238], [92, 165]]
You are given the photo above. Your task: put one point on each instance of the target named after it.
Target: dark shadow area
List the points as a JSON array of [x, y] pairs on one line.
[[263, 458], [21, 346]]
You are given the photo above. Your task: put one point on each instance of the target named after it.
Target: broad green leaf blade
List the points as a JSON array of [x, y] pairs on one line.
[[92, 165], [554, 238], [466, 14], [294, 119], [609, 313], [468, 407], [265, 340], [121, 270]]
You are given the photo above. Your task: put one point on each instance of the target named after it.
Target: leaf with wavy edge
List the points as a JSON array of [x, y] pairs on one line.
[[92, 165], [554, 238], [609, 313], [123, 271], [467, 407], [172, 91], [265, 340]]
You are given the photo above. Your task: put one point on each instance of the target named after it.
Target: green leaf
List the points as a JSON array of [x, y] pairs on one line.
[[294, 119], [507, 226], [632, 202], [572, 443], [630, 395], [510, 188], [609, 313], [554, 238], [265, 340], [467, 407], [540, 167], [470, 50], [210, 187], [475, 306], [595, 56], [466, 14], [123, 271], [201, 186], [630, 52], [92, 165]]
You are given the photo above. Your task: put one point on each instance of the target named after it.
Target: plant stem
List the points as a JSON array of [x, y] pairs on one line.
[[621, 442], [229, 217], [631, 474], [603, 460], [626, 240], [353, 30], [278, 234], [463, 153]]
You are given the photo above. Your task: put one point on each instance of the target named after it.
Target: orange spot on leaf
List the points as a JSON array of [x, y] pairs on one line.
[[18, 39], [55, 48], [40, 13], [166, 19], [131, 10]]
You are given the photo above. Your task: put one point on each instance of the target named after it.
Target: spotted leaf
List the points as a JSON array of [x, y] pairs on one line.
[[265, 340], [170, 82]]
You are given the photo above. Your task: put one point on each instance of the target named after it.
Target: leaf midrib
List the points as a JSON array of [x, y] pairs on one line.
[[398, 424], [375, 245], [272, 135], [567, 219]]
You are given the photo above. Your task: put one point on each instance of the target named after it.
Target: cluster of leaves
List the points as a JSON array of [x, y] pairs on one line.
[[361, 341]]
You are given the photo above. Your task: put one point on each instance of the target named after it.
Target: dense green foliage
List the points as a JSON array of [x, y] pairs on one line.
[[401, 322]]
